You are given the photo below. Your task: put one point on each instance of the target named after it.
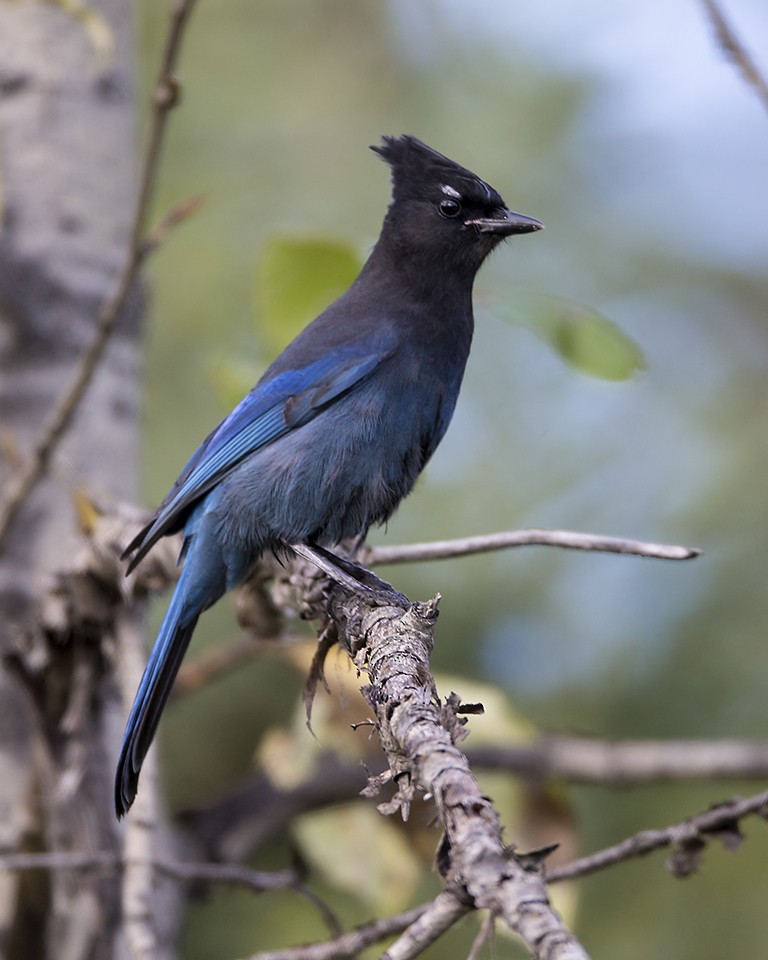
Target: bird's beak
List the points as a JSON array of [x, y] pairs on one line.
[[506, 223]]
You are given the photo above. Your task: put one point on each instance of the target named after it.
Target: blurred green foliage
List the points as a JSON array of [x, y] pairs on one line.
[[280, 100], [583, 337], [296, 278]]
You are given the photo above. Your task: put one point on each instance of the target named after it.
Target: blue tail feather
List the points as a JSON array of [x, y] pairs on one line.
[[154, 690]]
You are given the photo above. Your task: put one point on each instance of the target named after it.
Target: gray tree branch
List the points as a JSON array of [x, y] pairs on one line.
[[348, 945], [620, 763], [689, 839], [735, 49], [392, 644], [486, 543]]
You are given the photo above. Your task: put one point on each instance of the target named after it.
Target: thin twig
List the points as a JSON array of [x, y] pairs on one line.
[[484, 935], [178, 213], [165, 98], [444, 911], [691, 835], [217, 662], [228, 873], [736, 50], [60, 860], [567, 539], [348, 944], [233, 874]]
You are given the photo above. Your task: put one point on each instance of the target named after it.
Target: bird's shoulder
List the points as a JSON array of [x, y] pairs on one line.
[[306, 378]]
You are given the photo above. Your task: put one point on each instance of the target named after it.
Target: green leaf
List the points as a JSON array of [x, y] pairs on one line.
[[584, 338], [296, 278]]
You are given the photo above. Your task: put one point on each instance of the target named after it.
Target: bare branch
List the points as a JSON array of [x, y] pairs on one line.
[[690, 836], [584, 760], [240, 823], [166, 96], [736, 50], [176, 215], [60, 860], [229, 873], [140, 922], [393, 644], [484, 935], [491, 542], [348, 944], [219, 661], [566, 539], [439, 916], [235, 874], [424, 923]]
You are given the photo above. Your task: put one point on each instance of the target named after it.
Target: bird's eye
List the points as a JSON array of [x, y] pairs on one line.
[[450, 208]]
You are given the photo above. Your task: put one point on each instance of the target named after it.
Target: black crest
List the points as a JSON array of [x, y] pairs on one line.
[[416, 168]]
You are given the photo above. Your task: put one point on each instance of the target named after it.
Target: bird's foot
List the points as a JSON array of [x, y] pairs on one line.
[[349, 574]]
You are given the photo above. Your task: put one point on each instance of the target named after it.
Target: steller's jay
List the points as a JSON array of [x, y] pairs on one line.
[[336, 432]]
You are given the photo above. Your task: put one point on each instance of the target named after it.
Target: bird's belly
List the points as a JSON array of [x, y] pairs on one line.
[[327, 481]]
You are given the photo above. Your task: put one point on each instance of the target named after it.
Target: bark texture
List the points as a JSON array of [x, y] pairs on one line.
[[67, 154]]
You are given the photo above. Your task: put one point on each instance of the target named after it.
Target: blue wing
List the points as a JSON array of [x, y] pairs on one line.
[[273, 408]]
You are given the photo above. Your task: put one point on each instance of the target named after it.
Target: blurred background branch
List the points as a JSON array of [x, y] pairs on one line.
[[736, 50], [690, 838]]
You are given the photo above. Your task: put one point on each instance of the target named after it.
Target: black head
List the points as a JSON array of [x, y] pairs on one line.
[[440, 206]]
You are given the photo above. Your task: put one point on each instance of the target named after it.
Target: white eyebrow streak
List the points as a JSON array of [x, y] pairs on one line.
[[449, 191]]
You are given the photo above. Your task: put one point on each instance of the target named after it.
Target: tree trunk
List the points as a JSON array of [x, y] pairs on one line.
[[67, 171]]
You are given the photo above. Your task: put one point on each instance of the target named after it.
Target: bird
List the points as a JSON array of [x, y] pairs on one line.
[[335, 433]]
